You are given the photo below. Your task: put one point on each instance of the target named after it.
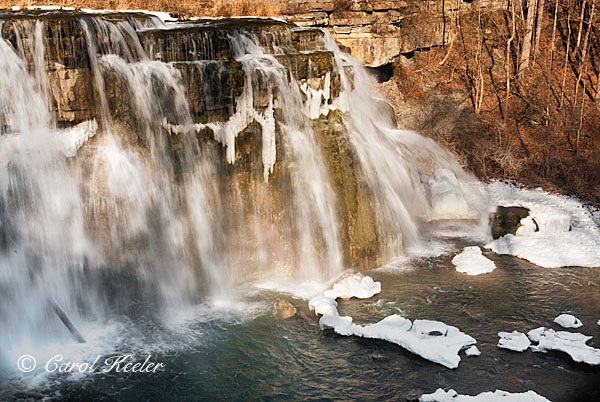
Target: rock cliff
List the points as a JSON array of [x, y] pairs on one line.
[[379, 31]]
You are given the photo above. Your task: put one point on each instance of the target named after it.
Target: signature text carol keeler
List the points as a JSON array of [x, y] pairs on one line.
[[117, 364]]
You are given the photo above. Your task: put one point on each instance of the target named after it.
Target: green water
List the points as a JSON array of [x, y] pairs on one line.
[[258, 356]]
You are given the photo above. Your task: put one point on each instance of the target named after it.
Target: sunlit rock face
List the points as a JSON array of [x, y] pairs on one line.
[[379, 31]]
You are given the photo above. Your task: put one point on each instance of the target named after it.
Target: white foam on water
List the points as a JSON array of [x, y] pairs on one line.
[[289, 285]]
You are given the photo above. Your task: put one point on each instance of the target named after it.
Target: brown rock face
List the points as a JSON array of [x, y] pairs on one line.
[[379, 31], [70, 90]]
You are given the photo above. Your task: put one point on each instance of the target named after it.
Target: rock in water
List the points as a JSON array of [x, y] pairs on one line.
[[285, 309], [507, 220]]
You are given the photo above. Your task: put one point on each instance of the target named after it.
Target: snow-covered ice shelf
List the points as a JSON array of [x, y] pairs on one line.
[[471, 262], [497, 396], [568, 321], [359, 286], [559, 231], [515, 340], [432, 340], [572, 343]]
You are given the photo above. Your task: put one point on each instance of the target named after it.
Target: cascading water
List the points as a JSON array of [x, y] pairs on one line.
[[195, 163], [401, 165]]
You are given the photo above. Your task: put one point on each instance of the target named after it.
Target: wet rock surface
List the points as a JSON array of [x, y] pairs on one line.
[[507, 220]]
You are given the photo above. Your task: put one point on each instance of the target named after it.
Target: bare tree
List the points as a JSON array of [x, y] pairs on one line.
[[562, 89], [584, 51], [538, 31], [527, 39], [580, 28], [552, 48], [508, 62]]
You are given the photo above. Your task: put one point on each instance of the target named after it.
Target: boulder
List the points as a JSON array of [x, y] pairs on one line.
[[507, 220], [285, 309]]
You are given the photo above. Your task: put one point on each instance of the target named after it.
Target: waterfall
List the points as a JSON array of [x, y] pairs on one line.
[[154, 165], [401, 166]]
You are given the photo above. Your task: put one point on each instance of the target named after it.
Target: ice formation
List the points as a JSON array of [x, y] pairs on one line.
[[359, 286], [572, 343], [501, 396], [515, 340], [559, 231], [568, 321], [471, 262], [472, 351], [432, 340]]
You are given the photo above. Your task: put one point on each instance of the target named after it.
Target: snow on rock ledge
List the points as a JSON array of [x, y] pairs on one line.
[[432, 340], [471, 262], [515, 340], [572, 343], [568, 321], [357, 285], [564, 232], [502, 396]]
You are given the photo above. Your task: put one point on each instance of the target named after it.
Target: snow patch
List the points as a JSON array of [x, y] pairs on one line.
[[432, 340], [560, 231], [515, 340], [357, 285], [163, 16], [452, 396], [472, 351], [568, 321], [471, 262], [572, 343]]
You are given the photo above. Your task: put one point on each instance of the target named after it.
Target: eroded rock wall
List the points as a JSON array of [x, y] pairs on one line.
[[74, 53], [378, 31]]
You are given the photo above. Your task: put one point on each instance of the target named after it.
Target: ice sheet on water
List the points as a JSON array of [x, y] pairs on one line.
[[567, 234], [471, 262], [472, 351], [432, 340], [568, 321], [572, 343], [497, 396], [357, 285], [515, 340]]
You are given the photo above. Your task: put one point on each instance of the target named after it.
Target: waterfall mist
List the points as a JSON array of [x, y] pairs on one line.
[[195, 164]]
